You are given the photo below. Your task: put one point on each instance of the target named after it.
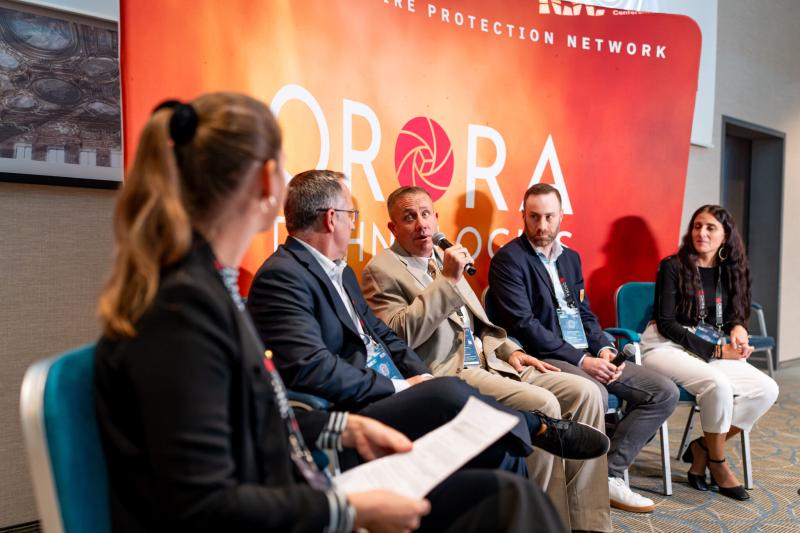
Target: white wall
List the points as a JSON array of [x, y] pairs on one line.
[[758, 80], [55, 250]]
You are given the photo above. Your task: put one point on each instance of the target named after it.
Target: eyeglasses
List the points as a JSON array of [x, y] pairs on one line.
[[353, 213]]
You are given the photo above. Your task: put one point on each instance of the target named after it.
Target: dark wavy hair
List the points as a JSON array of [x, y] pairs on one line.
[[735, 270]]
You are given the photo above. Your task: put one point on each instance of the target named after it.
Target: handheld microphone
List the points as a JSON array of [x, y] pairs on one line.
[[441, 241], [629, 352]]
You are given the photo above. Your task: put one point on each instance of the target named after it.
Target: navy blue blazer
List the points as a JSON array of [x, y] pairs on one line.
[[301, 317], [523, 298]]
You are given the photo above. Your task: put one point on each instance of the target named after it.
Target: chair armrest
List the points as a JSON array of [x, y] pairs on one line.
[[309, 402], [627, 334]]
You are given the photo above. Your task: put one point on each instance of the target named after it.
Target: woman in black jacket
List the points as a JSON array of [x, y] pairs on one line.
[[699, 339], [194, 420]]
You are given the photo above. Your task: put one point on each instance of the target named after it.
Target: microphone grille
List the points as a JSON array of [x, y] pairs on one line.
[[629, 350], [438, 237]]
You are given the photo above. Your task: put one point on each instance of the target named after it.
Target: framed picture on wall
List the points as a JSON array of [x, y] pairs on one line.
[[60, 101]]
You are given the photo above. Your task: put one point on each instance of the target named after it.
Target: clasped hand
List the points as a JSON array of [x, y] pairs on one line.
[[600, 367], [739, 347]]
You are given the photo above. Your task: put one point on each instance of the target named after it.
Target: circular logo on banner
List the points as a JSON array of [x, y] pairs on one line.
[[423, 156]]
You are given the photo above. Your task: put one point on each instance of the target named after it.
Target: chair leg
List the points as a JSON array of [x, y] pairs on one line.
[[687, 432], [747, 465], [770, 363], [665, 466], [626, 478]]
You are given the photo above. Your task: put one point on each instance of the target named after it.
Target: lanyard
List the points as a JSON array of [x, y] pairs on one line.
[[701, 299], [565, 288], [299, 452]]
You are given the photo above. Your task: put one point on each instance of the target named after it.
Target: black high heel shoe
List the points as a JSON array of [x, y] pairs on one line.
[[737, 493], [697, 481]]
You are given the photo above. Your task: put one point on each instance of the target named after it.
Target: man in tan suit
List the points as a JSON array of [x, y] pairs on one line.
[[420, 292]]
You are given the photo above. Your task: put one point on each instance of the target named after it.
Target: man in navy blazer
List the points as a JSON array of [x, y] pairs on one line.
[[538, 294]]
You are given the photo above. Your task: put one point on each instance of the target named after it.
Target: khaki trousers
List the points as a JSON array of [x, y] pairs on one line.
[[578, 489]]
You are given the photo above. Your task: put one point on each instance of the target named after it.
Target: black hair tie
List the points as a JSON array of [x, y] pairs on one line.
[[183, 123]]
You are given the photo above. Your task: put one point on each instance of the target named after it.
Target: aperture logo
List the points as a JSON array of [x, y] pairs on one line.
[[423, 156]]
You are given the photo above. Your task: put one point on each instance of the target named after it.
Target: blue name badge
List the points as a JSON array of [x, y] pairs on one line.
[[471, 357], [708, 333], [572, 328], [379, 361]]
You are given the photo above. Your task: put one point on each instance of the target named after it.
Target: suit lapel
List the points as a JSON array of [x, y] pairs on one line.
[[420, 275], [470, 299], [305, 258], [536, 265]]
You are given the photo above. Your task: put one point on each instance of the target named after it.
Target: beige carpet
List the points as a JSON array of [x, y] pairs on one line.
[[774, 506]]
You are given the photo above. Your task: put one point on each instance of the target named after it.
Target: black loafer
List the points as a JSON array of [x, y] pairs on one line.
[[570, 439]]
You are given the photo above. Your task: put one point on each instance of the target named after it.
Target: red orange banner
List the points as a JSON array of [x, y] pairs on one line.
[[472, 100]]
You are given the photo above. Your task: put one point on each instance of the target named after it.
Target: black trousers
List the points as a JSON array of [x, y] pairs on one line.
[[426, 406], [487, 501]]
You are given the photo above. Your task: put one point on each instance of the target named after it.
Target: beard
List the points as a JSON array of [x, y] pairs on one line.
[[542, 238]]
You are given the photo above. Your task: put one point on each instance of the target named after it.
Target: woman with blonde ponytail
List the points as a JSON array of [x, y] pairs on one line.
[[196, 429]]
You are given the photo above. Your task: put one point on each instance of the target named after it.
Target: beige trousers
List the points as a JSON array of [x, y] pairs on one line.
[[578, 489]]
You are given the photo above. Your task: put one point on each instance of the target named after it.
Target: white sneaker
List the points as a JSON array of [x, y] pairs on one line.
[[624, 498]]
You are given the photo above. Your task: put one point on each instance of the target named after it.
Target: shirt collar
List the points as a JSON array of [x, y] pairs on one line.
[[333, 269], [555, 251], [413, 260], [419, 262]]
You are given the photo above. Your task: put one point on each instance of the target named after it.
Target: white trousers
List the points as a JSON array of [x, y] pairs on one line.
[[728, 391]]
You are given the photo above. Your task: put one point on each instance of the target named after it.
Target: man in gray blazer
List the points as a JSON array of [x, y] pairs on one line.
[[419, 290]]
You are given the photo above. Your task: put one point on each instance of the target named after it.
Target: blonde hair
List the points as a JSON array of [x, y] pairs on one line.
[[173, 187]]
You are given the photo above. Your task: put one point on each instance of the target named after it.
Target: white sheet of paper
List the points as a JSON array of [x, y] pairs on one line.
[[434, 456]]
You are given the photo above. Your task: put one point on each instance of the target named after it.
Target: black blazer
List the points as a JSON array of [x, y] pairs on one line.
[[523, 298], [301, 317], [188, 420]]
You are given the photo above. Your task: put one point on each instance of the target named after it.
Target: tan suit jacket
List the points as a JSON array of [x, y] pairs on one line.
[[423, 313]]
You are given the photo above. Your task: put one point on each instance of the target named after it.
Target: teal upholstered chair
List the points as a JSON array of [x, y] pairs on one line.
[[762, 343], [634, 303], [63, 444]]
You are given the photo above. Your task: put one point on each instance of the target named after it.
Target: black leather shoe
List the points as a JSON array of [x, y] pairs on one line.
[[570, 439], [688, 455], [697, 481], [737, 493]]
